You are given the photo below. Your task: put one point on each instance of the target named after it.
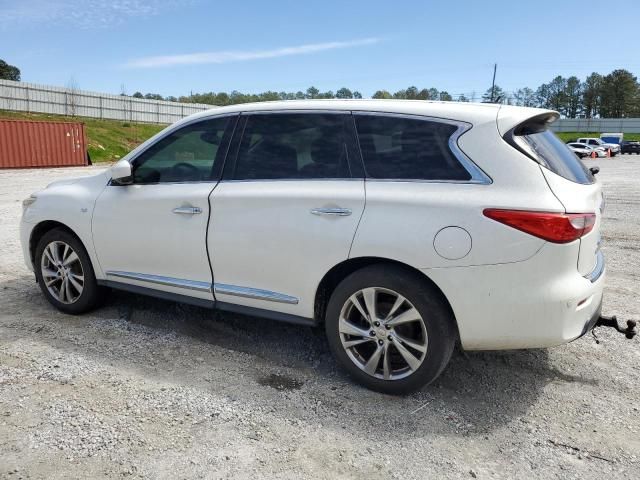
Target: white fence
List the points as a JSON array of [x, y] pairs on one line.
[[597, 125], [29, 97]]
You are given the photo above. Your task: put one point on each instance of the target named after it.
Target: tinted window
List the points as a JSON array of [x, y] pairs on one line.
[[402, 148], [290, 146], [553, 154], [187, 155]]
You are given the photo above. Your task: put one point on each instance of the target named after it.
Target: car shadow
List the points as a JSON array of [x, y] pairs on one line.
[[478, 392]]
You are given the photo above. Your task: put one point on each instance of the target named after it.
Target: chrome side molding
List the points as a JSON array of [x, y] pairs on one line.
[[160, 280], [220, 288], [255, 293]]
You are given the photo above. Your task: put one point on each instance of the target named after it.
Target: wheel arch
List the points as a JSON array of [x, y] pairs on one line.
[[41, 229], [340, 271]]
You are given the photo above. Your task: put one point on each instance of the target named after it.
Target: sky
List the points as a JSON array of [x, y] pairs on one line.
[[175, 47]]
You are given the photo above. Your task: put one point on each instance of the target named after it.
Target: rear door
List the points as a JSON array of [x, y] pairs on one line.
[[286, 210]]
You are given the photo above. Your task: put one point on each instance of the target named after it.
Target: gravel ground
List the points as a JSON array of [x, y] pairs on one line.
[[144, 388]]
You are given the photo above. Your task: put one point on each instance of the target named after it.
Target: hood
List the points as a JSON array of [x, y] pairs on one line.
[[84, 179], [66, 181]]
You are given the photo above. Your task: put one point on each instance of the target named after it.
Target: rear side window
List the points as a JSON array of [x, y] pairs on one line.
[[292, 146], [549, 151], [404, 148]]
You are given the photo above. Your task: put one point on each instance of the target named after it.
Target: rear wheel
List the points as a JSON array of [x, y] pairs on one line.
[[64, 272], [389, 329]]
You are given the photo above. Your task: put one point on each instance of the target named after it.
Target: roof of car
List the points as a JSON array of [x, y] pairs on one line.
[[462, 111]]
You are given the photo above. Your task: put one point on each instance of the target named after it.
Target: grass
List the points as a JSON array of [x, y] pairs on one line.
[[107, 140], [573, 136]]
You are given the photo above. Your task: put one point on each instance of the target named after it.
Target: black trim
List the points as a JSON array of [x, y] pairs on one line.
[[227, 139], [234, 147], [356, 162], [227, 136], [152, 292], [269, 314], [211, 304]]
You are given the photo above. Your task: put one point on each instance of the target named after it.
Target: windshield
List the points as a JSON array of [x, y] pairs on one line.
[[550, 152]]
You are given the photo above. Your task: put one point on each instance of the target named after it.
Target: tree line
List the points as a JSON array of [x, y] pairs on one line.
[[234, 97], [615, 95]]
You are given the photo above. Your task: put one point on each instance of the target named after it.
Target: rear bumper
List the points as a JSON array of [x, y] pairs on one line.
[[538, 303], [593, 320]]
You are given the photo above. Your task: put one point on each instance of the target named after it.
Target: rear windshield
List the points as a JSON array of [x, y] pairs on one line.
[[550, 152]]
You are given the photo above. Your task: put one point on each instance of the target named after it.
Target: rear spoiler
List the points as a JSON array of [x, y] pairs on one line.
[[534, 124], [509, 117]]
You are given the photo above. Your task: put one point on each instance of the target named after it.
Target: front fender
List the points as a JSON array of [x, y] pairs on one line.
[[70, 204]]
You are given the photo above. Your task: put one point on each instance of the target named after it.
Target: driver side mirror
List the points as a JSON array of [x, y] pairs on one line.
[[121, 173]]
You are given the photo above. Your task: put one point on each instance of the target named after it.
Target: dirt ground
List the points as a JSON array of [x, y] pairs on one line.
[[144, 388]]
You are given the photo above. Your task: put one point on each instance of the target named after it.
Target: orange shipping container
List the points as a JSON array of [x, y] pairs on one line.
[[29, 144]]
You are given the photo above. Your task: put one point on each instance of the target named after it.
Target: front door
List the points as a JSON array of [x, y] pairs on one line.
[[153, 233], [286, 210]]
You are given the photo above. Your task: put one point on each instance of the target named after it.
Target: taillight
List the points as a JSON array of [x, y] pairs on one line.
[[553, 227]]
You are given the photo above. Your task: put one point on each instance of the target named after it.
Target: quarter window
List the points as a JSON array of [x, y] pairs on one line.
[[292, 146], [187, 155], [403, 148]]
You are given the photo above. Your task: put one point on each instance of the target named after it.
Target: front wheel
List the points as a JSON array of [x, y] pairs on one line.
[[65, 274], [389, 329]]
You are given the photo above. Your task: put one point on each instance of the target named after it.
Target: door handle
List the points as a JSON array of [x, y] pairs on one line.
[[187, 210], [335, 211]]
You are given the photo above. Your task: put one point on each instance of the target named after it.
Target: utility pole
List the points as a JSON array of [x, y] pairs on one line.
[[493, 83]]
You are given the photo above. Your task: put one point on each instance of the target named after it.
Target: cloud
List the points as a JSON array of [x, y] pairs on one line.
[[243, 56], [78, 13]]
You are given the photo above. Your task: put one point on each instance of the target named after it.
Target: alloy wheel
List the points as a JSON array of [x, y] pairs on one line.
[[383, 333], [62, 272]]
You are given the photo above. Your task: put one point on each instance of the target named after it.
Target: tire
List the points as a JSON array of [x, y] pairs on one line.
[[57, 245], [356, 348]]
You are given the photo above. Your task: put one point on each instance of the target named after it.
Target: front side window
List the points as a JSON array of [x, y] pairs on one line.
[[292, 146], [186, 155], [404, 148]]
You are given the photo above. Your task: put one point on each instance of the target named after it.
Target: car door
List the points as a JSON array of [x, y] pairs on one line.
[[152, 233], [286, 210]]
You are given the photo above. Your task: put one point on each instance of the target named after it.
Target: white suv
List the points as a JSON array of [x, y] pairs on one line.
[[402, 227]]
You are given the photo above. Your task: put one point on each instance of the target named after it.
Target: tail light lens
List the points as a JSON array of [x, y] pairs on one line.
[[553, 227]]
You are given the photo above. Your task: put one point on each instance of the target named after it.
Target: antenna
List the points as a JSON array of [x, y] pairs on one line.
[[493, 82]]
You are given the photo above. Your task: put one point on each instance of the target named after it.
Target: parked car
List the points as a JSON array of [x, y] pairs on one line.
[[583, 150], [596, 142], [630, 147], [401, 227]]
